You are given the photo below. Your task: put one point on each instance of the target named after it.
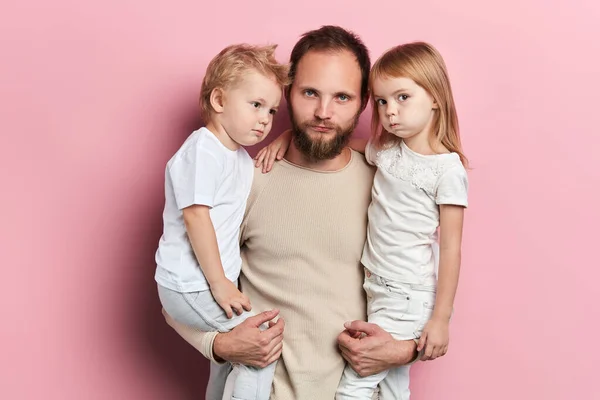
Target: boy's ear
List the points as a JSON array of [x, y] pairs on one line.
[[217, 97]]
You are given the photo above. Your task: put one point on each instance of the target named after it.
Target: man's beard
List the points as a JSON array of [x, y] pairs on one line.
[[319, 149]]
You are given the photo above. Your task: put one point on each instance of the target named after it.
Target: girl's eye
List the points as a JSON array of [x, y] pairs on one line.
[[381, 102], [403, 97], [272, 111], [255, 104]]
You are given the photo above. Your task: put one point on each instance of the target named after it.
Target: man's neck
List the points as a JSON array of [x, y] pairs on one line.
[[337, 163]]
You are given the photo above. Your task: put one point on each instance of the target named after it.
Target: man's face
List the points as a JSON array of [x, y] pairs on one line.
[[325, 102]]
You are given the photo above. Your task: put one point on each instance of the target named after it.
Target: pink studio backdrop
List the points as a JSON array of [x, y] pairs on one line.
[[96, 96]]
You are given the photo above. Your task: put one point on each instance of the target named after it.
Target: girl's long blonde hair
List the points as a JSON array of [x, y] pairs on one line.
[[422, 63]]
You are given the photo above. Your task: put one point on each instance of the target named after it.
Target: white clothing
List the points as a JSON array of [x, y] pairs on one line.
[[404, 211], [205, 172]]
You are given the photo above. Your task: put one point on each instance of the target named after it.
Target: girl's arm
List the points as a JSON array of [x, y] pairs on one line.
[[435, 336], [451, 227]]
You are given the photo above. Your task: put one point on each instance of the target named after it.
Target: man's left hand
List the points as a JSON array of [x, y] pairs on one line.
[[369, 349]]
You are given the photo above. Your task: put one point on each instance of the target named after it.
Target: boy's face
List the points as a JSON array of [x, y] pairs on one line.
[[249, 107]]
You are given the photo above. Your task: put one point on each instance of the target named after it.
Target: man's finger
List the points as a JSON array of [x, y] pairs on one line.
[[275, 354], [274, 331], [275, 350], [362, 326], [344, 339], [354, 334], [261, 318]]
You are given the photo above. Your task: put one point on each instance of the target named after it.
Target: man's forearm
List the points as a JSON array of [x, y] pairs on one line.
[[200, 340]]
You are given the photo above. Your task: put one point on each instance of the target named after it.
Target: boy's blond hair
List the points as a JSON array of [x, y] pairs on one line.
[[229, 66]]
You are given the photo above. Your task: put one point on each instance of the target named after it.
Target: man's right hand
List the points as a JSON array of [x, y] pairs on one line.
[[247, 344]]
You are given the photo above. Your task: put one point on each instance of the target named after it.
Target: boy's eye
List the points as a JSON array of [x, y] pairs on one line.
[[403, 97], [381, 102]]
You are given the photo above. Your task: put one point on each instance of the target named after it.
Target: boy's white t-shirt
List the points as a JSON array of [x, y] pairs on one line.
[[204, 172], [408, 189]]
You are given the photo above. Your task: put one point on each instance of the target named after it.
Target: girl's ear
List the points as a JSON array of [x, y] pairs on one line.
[[217, 100]]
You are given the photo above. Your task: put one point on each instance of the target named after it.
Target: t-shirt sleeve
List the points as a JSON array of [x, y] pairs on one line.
[[452, 187], [370, 152], [195, 176]]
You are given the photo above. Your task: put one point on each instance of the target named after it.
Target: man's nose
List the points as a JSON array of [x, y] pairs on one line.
[[323, 110]]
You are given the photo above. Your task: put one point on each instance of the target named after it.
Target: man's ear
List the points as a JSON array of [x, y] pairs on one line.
[[217, 100]]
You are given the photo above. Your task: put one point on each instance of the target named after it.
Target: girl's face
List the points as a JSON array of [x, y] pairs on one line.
[[405, 109]]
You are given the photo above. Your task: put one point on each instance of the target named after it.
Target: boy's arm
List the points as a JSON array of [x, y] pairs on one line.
[[358, 144], [203, 239]]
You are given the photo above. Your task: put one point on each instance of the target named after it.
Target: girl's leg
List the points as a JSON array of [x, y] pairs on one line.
[[395, 386], [354, 387]]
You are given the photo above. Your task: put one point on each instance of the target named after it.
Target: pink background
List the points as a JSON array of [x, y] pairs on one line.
[[97, 96]]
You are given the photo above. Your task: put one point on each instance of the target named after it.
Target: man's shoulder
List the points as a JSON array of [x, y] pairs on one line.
[[260, 180], [362, 166]]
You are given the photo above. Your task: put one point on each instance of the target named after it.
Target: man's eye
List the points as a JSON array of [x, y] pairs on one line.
[[309, 93], [344, 97]]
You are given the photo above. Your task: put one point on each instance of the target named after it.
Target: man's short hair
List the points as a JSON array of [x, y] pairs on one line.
[[229, 66], [333, 38]]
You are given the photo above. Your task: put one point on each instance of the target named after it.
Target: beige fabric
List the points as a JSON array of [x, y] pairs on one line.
[[302, 239]]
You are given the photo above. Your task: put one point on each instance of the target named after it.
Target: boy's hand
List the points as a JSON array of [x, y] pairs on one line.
[[229, 297], [276, 150], [434, 339]]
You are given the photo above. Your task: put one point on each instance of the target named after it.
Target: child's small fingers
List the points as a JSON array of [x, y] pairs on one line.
[[228, 311], [422, 341], [270, 164], [280, 153], [237, 307], [265, 160], [246, 303], [261, 157]]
